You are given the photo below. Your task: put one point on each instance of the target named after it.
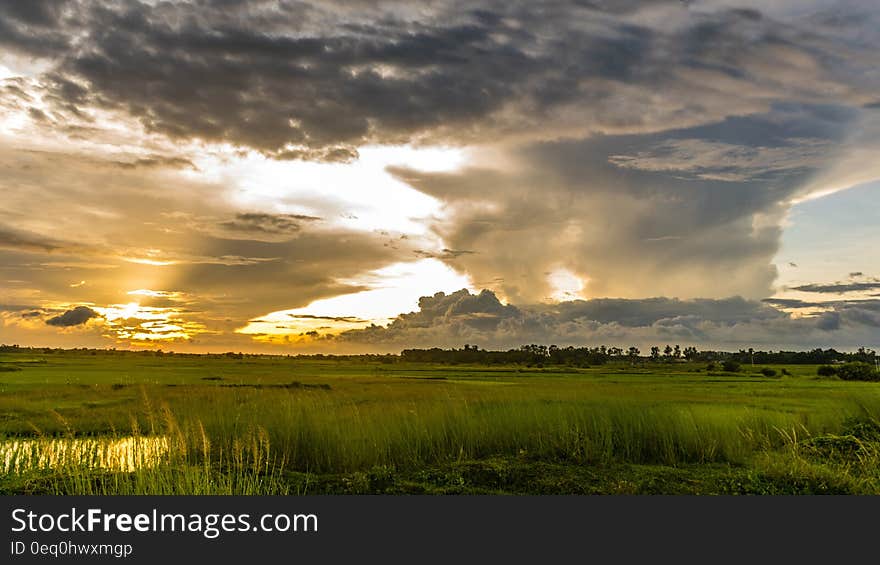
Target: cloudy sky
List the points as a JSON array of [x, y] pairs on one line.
[[287, 176]]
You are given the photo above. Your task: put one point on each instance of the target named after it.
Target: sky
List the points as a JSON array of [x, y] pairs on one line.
[[368, 176]]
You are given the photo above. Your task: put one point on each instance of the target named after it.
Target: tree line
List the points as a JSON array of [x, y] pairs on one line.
[[531, 354], [534, 354]]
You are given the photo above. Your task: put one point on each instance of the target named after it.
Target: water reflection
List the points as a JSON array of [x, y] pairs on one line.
[[113, 454]]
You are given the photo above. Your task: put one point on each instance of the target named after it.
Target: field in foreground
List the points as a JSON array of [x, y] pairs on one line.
[[76, 423]]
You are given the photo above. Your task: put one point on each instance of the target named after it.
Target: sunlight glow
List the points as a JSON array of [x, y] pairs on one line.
[[135, 323], [392, 290], [154, 293], [360, 195], [145, 261], [817, 194], [566, 285], [120, 311]]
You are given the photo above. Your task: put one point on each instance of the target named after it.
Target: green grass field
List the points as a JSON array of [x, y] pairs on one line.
[[276, 425]]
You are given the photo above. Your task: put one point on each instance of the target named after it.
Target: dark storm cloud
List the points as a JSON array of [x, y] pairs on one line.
[[32, 314], [350, 319], [36, 13], [158, 161], [838, 288], [266, 224], [75, 317], [325, 155], [828, 321], [444, 254], [840, 313], [482, 310], [462, 317], [19, 308], [789, 303], [26, 241], [188, 74], [675, 219], [314, 81], [647, 311], [34, 27], [868, 316]]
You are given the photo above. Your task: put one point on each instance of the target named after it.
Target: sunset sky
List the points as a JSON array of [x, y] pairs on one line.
[[291, 177]]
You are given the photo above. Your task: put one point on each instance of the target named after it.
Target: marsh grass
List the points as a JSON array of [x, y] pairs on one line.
[[327, 433], [199, 438], [171, 459], [128, 454], [208, 452]]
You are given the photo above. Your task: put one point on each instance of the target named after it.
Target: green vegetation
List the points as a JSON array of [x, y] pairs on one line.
[[852, 371], [858, 371], [731, 366], [277, 425]]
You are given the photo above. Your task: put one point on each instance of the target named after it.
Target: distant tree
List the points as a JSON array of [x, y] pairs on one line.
[[691, 353], [865, 355], [677, 352], [655, 353], [858, 371], [633, 354], [731, 366], [667, 352]]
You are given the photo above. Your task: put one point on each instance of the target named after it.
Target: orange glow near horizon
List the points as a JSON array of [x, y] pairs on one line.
[[393, 290], [136, 323]]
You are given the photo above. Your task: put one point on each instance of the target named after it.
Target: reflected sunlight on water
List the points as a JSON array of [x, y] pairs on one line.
[[113, 454]]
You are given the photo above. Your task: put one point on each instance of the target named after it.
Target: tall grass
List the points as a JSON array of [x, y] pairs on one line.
[[171, 459], [246, 441], [330, 433]]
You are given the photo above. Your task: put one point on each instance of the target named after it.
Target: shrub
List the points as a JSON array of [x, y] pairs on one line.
[[731, 366], [768, 372], [857, 371], [867, 430], [711, 366], [826, 371]]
